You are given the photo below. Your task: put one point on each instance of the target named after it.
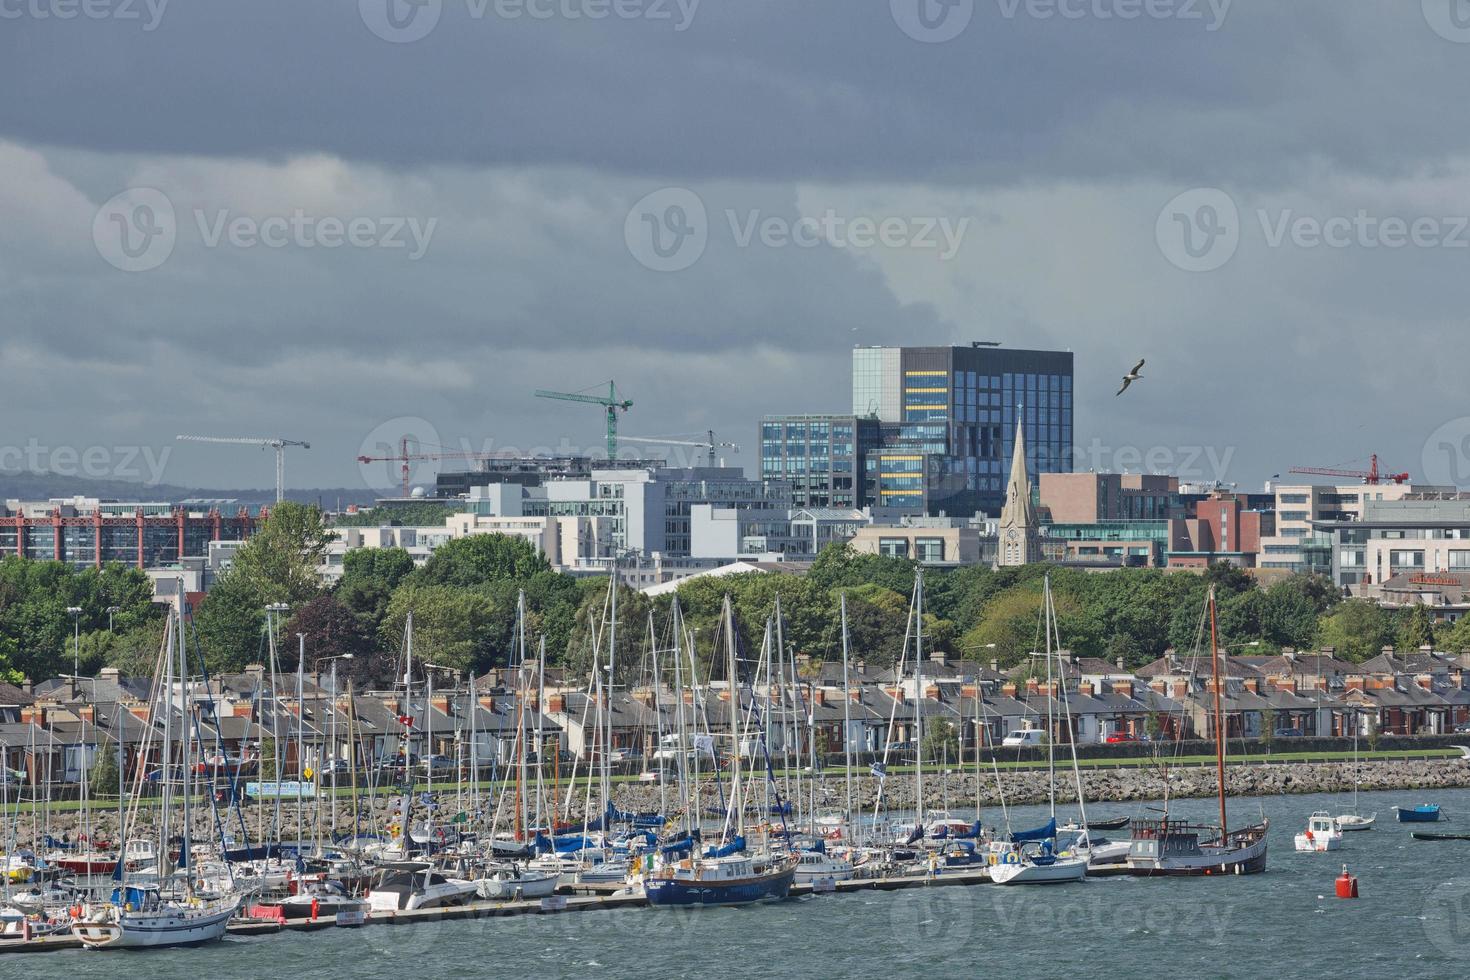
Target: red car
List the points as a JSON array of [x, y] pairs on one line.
[[1120, 737]]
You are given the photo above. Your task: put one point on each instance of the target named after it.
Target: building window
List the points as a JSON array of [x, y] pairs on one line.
[[893, 547]]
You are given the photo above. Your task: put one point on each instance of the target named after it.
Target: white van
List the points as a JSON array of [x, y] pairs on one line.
[[1023, 737]]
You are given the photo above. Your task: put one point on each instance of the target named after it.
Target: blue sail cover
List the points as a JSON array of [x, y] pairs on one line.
[[970, 834], [679, 845], [917, 835], [725, 850], [259, 852], [1040, 833], [542, 844], [573, 842]]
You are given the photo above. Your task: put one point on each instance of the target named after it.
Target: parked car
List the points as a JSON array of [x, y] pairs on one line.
[[1288, 733], [1023, 737], [437, 764], [1463, 728], [1116, 737]]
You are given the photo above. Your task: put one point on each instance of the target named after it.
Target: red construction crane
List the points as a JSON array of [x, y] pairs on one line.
[[1370, 475], [405, 457]]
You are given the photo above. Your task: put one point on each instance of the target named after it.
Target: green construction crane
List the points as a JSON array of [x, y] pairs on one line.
[[610, 402]]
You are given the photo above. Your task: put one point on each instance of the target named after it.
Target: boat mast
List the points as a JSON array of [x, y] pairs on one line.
[[1051, 725], [167, 701], [919, 696], [300, 738], [735, 801], [679, 725], [1219, 716], [846, 725]]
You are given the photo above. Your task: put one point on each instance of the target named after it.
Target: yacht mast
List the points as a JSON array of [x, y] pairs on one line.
[[1219, 717]]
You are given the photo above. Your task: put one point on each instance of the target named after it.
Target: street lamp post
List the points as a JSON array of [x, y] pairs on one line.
[[110, 611], [76, 626]]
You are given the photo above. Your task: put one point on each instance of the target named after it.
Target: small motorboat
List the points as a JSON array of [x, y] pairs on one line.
[[1322, 834], [1423, 813], [1428, 835], [1116, 823]]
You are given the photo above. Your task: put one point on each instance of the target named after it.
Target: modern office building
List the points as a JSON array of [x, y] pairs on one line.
[[931, 430], [639, 509], [948, 420], [820, 456], [1420, 534], [1296, 545], [86, 532]]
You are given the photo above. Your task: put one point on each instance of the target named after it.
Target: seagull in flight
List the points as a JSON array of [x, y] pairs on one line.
[[1131, 377]]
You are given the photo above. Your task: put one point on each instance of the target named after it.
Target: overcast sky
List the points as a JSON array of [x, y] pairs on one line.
[[346, 220]]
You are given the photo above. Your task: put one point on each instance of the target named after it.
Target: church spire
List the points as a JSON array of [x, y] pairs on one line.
[[1020, 537]]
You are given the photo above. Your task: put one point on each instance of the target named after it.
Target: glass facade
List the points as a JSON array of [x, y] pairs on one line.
[[820, 455]]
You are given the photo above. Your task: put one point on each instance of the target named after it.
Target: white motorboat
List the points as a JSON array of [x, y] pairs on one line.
[[409, 890], [146, 921], [512, 882], [1322, 833], [321, 900], [814, 866]]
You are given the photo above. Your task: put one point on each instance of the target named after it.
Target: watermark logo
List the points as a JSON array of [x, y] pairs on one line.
[[931, 918], [667, 230], [1446, 919], [932, 21], [139, 463], [1211, 13], [1204, 464], [406, 21], [1201, 229], [397, 452], [147, 13], [1450, 19], [1198, 230], [400, 21], [135, 230], [1446, 455]]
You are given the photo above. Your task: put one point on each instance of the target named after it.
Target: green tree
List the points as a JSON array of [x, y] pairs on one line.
[[1415, 629], [941, 741], [1268, 728], [279, 563], [230, 623], [1356, 629], [481, 558], [334, 631], [102, 779], [135, 653], [451, 626]]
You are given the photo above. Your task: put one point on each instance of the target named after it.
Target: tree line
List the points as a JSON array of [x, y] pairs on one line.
[[464, 603]]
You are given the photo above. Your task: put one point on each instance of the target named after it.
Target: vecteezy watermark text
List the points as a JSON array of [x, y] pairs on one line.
[[1200, 229], [937, 21], [148, 13], [1193, 463], [93, 462], [406, 21], [669, 229], [137, 230]]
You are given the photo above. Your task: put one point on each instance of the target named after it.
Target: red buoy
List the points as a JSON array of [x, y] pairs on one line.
[[1347, 885]]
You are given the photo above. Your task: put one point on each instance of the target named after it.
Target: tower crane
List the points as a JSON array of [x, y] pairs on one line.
[[610, 403], [709, 445], [1370, 475], [279, 445], [405, 457]]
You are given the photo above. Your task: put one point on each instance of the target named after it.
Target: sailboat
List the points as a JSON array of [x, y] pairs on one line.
[[1033, 857], [1174, 847], [143, 914], [1355, 820], [728, 875]]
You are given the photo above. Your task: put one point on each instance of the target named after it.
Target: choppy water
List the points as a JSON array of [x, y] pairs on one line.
[[1413, 920]]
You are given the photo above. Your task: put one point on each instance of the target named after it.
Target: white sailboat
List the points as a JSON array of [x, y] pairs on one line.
[[1355, 821], [141, 915], [1035, 858]]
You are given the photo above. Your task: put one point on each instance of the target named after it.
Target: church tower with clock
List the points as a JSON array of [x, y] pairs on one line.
[[1020, 537]]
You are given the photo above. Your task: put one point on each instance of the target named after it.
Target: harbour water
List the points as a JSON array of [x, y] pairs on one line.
[[1413, 919]]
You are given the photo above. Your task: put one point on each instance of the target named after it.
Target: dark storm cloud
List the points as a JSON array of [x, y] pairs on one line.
[[769, 89]]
